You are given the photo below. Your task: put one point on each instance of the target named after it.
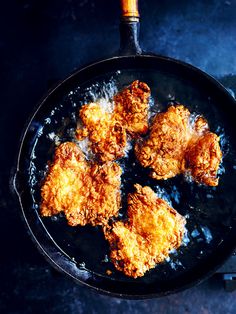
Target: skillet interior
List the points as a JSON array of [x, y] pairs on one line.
[[81, 251]]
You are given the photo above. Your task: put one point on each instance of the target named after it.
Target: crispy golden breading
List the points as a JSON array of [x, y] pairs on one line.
[[153, 229], [203, 159], [165, 147], [107, 131], [174, 146], [131, 108], [200, 127], [86, 193], [107, 136]]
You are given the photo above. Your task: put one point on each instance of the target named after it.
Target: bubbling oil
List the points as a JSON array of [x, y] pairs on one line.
[[58, 130]]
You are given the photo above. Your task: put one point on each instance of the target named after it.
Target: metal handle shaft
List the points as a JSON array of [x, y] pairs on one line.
[[129, 28]]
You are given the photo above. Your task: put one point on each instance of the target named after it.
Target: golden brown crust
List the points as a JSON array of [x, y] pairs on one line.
[[107, 131], [86, 193], [169, 150], [200, 126], [153, 229], [203, 159], [107, 136], [165, 147], [131, 108]]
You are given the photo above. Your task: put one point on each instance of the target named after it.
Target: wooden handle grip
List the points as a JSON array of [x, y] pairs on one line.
[[129, 8]]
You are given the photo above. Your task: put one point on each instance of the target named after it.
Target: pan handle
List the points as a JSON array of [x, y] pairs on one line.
[[129, 28]]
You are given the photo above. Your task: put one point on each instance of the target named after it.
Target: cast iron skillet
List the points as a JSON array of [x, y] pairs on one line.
[[81, 252]]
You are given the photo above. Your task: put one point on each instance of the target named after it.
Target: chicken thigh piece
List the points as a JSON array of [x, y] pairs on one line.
[[107, 131], [107, 136], [131, 108], [164, 150], [87, 193], [152, 230], [177, 145]]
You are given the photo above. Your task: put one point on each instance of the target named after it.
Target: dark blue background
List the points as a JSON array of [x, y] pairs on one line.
[[43, 41]]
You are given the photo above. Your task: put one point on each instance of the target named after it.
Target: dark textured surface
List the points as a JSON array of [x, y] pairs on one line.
[[43, 41]]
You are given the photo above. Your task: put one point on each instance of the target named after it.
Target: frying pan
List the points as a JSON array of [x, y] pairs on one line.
[[82, 252]]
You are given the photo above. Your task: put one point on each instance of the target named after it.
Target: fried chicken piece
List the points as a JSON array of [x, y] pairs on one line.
[[131, 108], [174, 146], [164, 150], [153, 229], [107, 136], [87, 193], [203, 159], [107, 131]]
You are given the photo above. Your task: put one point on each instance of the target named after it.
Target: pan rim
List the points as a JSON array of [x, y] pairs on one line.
[[17, 171]]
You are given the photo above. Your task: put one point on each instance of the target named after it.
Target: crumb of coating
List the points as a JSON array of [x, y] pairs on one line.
[[152, 230], [87, 193]]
